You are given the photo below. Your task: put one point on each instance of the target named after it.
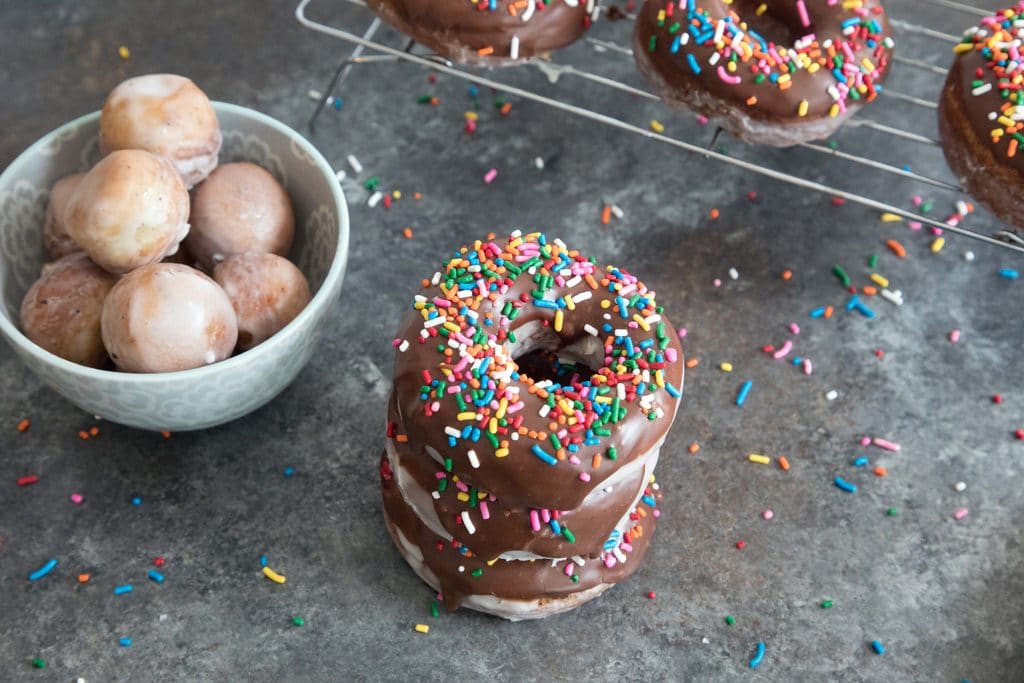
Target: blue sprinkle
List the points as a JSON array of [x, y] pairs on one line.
[[473, 92], [852, 303], [43, 571], [744, 390], [156, 576], [136, 501], [1009, 273], [555, 527], [845, 485], [649, 500], [758, 656], [544, 455], [818, 312], [694, 67], [121, 590], [338, 102], [862, 308], [263, 560], [289, 471], [125, 642], [877, 646], [860, 462], [672, 391]]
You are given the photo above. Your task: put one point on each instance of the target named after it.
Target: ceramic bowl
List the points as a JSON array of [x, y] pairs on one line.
[[217, 393]]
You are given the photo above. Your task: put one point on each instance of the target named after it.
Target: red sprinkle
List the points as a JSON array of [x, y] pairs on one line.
[[997, 398], [879, 353], [1019, 434], [158, 561], [741, 544], [27, 480], [651, 595]]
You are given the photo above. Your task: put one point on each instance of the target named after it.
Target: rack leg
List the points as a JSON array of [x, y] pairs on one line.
[[341, 73], [714, 138]]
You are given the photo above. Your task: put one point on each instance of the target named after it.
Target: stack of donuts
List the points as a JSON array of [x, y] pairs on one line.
[[532, 392]]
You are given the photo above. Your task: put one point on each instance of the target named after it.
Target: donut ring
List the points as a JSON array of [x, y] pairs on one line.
[[493, 33], [979, 117], [780, 74]]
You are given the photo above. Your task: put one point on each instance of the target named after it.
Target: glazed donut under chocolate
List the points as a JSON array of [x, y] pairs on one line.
[[725, 61], [979, 118], [532, 393], [478, 33]]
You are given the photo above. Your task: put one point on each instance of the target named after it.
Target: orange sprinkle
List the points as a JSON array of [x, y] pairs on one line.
[[407, 233], [693, 447], [783, 463], [505, 109], [606, 215], [94, 431], [166, 434], [417, 195], [896, 248], [828, 311], [596, 461], [692, 362], [714, 214], [83, 578], [787, 274], [1012, 149], [880, 471], [752, 100], [402, 438], [83, 435], [24, 425], [484, 51], [869, 290]]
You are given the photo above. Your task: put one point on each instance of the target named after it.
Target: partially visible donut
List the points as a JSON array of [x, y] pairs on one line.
[[774, 72], [488, 32], [981, 114]]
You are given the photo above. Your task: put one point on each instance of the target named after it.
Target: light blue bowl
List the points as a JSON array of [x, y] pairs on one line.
[[207, 396]]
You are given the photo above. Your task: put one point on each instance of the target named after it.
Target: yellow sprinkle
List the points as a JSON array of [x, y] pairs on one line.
[[759, 459], [605, 303], [726, 367], [802, 109], [960, 48], [657, 126], [501, 453], [123, 52], [891, 218], [502, 407], [868, 66], [463, 497], [451, 327], [273, 576], [938, 244], [569, 303], [490, 563], [397, 194], [730, 67], [879, 280], [559, 318], [422, 628], [833, 111], [471, 115], [492, 425], [761, 9], [659, 379], [641, 322], [468, 415], [1008, 122]]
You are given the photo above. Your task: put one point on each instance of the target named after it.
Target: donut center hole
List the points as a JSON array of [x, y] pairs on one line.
[[779, 24], [540, 365], [542, 354]]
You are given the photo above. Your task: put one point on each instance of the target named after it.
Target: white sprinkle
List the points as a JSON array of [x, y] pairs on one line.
[[163, 617], [531, 7], [582, 296], [982, 89], [539, 163], [374, 199], [468, 523], [832, 395], [434, 322], [961, 207], [354, 163], [452, 431], [461, 569], [959, 486], [590, 329], [616, 211], [544, 410], [968, 256], [340, 174], [404, 346], [513, 50], [705, 640], [210, 356], [734, 274], [315, 94], [473, 460], [893, 297]]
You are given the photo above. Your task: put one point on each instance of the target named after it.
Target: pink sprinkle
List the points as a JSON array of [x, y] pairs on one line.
[[954, 336], [767, 514], [808, 368], [485, 512], [805, 20], [584, 476], [545, 515], [716, 282], [77, 498], [490, 176], [656, 512], [794, 328], [396, 342], [783, 350], [724, 75], [609, 560], [917, 200], [681, 332], [702, 120], [960, 514], [534, 520], [568, 568], [914, 225], [865, 440], [885, 444]]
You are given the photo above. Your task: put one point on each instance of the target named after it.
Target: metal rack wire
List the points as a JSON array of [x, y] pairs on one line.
[[367, 50]]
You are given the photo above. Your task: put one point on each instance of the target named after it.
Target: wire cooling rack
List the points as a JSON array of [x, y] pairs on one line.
[[605, 68]]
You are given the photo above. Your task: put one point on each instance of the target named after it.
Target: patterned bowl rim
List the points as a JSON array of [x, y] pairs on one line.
[[322, 299]]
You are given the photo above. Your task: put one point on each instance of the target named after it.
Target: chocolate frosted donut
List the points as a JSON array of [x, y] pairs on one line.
[[532, 393], [492, 33], [981, 114], [773, 72]]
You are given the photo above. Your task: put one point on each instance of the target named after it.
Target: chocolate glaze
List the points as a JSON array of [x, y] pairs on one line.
[[457, 29], [508, 528], [709, 95], [521, 480], [516, 580], [982, 166]]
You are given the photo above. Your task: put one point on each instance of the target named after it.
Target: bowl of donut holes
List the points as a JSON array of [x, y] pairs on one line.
[[169, 262]]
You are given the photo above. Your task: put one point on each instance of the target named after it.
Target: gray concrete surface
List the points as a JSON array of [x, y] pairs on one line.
[[944, 596]]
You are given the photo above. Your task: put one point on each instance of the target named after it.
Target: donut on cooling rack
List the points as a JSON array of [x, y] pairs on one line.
[[774, 72], [532, 393], [981, 113], [488, 32]]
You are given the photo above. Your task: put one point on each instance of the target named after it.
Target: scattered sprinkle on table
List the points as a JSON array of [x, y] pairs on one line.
[[38, 663], [784, 463], [767, 514], [759, 459], [27, 480], [83, 578], [877, 646], [826, 604], [1009, 273], [954, 336], [273, 576], [741, 397], [725, 367], [490, 176], [23, 427], [44, 570], [125, 642], [121, 590], [959, 487], [844, 485], [77, 498], [124, 53], [960, 514], [730, 619], [136, 500], [289, 471], [892, 512], [298, 621], [651, 595], [422, 628], [758, 656], [156, 576]]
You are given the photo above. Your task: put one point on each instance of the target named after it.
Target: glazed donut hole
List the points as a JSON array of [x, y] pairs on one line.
[[56, 239]]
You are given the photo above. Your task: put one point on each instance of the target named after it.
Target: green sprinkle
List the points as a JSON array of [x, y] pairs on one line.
[[841, 274], [892, 512], [825, 604], [433, 608], [730, 619], [423, 99], [298, 621], [39, 663], [832, 144], [447, 464], [575, 578], [612, 454], [568, 534], [442, 485], [371, 183], [651, 45], [477, 572], [872, 261]]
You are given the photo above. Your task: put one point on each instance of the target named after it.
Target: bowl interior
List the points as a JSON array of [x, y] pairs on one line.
[[321, 228]]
